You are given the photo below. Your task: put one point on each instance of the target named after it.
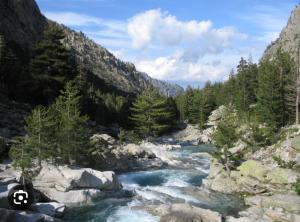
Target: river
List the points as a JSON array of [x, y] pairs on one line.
[[179, 183]]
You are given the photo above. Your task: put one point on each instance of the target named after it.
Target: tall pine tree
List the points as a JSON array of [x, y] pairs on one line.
[[151, 114], [51, 65], [72, 133]]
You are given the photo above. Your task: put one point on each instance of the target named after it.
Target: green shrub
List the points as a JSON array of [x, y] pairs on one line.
[[284, 164], [297, 186]]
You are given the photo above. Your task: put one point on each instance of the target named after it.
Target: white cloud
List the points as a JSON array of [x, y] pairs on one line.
[[175, 68], [154, 27]]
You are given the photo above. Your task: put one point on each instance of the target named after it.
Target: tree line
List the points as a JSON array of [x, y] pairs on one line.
[[264, 93]]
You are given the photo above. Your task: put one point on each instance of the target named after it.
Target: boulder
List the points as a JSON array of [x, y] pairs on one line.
[[22, 216], [73, 197], [64, 178], [288, 202], [103, 137], [8, 175], [282, 176], [184, 213], [255, 169], [295, 142], [215, 116], [52, 209]]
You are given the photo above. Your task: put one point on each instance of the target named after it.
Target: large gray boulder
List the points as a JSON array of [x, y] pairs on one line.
[[73, 197], [22, 216], [74, 186], [64, 178]]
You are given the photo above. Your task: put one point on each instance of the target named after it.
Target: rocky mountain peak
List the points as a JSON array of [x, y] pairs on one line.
[[22, 23], [289, 37]]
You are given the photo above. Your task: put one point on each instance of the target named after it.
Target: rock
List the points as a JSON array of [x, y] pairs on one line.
[[240, 219], [184, 213], [107, 138], [52, 209], [9, 175], [74, 186], [64, 178], [255, 169], [218, 179], [282, 176], [239, 147], [190, 134], [288, 39], [295, 143], [288, 202], [22, 216], [73, 197], [215, 116], [134, 150]]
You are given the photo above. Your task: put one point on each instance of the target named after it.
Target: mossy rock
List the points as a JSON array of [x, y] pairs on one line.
[[255, 169], [296, 143], [282, 176]]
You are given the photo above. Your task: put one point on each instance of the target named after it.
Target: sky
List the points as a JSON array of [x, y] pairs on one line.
[[187, 42]]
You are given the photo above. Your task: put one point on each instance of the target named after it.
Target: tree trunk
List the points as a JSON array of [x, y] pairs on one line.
[[227, 162]]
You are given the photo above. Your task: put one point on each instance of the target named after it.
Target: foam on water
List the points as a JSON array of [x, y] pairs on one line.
[[173, 192], [125, 214]]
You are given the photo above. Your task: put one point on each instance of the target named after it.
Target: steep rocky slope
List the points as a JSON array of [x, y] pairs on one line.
[[22, 23], [288, 39]]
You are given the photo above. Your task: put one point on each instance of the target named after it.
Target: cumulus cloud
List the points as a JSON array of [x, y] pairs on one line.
[[175, 68], [157, 28]]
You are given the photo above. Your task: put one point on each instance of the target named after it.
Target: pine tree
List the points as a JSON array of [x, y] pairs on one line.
[[39, 127], [22, 155], [72, 133], [50, 66], [226, 136], [277, 91], [150, 113]]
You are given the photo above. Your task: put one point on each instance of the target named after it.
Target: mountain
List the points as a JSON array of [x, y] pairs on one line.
[[22, 24], [289, 38]]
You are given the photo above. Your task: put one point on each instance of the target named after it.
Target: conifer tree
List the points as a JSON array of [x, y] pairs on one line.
[[277, 91], [50, 66], [150, 113], [22, 155], [40, 127], [72, 133], [226, 136]]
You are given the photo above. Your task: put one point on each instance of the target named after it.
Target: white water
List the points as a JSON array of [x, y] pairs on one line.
[[155, 187]]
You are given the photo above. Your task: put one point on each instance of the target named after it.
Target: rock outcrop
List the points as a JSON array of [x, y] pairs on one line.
[[288, 39], [22, 216], [74, 185], [184, 213]]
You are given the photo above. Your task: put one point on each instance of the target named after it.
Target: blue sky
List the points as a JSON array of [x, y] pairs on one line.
[[181, 41]]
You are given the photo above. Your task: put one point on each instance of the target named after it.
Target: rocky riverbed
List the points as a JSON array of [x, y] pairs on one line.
[[173, 179]]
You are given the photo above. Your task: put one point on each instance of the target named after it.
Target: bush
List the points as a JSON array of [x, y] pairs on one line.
[[297, 186], [284, 164]]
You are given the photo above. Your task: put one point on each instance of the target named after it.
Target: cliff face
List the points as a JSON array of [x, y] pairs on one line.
[[22, 22], [289, 37]]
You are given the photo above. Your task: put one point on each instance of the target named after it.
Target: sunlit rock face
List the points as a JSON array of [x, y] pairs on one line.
[[288, 39]]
